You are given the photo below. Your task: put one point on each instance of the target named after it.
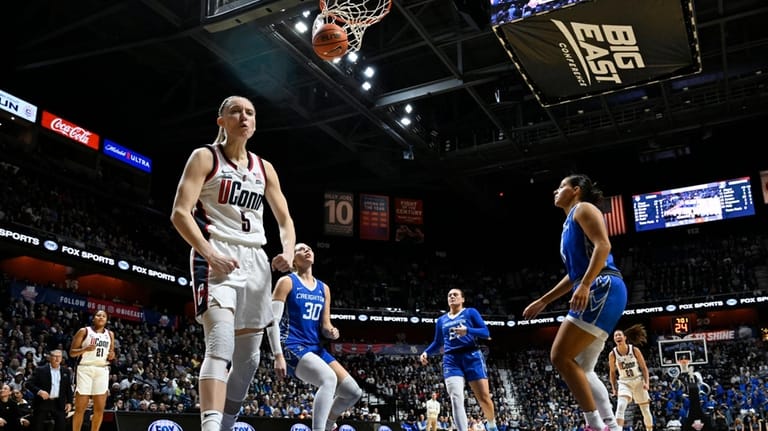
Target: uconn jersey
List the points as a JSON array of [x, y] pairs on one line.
[[231, 202], [103, 343], [301, 323], [627, 364]]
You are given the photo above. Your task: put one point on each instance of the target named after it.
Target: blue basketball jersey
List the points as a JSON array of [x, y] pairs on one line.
[[304, 305], [576, 249], [447, 338], [608, 293]]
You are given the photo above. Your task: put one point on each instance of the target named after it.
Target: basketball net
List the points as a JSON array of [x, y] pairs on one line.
[[353, 16], [683, 363]]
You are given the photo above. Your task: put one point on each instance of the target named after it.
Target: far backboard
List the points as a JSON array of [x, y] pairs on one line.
[[693, 349]]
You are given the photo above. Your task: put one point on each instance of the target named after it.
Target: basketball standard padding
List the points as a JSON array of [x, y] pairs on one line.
[[330, 41]]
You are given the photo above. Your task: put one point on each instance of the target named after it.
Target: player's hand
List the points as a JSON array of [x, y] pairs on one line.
[[282, 262], [331, 333], [460, 330], [423, 358], [222, 264], [280, 368], [533, 309], [580, 298]]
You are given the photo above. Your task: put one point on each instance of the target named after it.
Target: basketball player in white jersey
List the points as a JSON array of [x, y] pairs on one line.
[[629, 372], [433, 411], [218, 210], [95, 346]]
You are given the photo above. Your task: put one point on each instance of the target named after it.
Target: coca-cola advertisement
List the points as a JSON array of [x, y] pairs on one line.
[[70, 130]]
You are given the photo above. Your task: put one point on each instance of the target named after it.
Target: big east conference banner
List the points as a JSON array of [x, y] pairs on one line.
[[598, 47]]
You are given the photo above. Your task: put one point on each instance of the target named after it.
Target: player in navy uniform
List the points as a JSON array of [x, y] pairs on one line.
[[628, 373], [598, 299], [302, 305], [218, 210], [457, 332]]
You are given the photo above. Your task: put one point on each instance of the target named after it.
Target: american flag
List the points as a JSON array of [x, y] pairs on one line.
[[613, 212]]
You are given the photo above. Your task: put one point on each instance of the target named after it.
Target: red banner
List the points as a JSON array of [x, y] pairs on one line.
[[409, 211], [70, 130], [409, 220], [116, 310], [374, 217]]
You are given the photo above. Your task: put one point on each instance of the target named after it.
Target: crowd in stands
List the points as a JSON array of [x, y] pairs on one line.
[[157, 367], [156, 370]]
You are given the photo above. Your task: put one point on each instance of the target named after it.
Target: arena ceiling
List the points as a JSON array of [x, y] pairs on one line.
[[149, 75]]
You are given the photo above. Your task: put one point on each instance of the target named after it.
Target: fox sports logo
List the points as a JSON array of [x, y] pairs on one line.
[[242, 426], [164, 425]]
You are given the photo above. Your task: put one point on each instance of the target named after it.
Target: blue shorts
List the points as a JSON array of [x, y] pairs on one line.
[[470, 365], [294, 352], [607, 301]]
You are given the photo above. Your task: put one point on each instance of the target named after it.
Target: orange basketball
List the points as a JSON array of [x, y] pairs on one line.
[[330, 41]]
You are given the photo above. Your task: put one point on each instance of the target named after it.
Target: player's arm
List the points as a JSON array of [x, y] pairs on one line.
[[198, 167], [612, 371], [329, 331], [435, 345], [76, 348], [279, 205], [592, 222], [279, 296], [643, 367], [111, 355], [477, 327]]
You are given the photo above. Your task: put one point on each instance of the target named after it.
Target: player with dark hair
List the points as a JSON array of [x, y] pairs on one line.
[[598, 298], [457, 332], [95, 346], [629, 372]]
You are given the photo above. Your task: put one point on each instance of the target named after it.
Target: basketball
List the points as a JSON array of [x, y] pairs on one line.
[[330, 41]]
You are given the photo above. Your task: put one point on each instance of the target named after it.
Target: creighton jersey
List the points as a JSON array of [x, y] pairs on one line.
[[304, 306], [231, 202], [103, 342], [627, 364], [576, 250], [607, 294]]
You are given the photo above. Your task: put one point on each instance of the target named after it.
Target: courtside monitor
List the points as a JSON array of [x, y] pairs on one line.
[[699, 203]]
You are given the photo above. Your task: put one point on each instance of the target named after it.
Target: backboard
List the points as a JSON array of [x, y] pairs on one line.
[[672, 350]]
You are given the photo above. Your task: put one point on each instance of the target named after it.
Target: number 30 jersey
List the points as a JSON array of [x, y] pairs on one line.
[[304, 306]]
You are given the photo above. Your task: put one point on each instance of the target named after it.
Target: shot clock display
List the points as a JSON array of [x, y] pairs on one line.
[[681, 325]]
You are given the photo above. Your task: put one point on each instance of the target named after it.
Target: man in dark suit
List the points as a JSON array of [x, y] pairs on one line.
[[52, 386]]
